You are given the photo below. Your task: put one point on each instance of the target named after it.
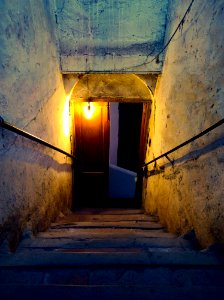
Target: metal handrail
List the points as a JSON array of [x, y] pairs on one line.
[[219, 123], [32, 137], [12, 128]]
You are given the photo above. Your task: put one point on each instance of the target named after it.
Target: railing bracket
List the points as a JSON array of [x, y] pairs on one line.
[[145, 171], [169, 159]]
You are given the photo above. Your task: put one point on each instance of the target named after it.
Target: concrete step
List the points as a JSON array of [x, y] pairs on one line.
[[110, 256], [105, 241], [110, 292], [104, 232], [86, 273], [121, 275], [84, 256], [76, 217], [109, 224], [109, 211]]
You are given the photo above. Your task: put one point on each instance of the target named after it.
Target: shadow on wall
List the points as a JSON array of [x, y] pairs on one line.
[[29, 151], [194, 155], [202, 151]]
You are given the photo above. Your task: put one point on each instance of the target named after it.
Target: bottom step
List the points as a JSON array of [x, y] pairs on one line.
[[172, 276], [57, 292]]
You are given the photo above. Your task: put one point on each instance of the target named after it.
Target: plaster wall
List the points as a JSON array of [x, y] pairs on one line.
[[189, 98], [115, 87], [35, 182], [110, 35]]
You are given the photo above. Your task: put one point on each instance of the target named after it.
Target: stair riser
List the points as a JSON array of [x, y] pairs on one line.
[[89, 243], [110, 293], [154, 276]]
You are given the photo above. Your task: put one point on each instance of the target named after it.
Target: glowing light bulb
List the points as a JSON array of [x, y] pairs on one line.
[[89, 110]]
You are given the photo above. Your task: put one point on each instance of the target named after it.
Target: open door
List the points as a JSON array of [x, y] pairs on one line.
[[132, 143], [92, 151]]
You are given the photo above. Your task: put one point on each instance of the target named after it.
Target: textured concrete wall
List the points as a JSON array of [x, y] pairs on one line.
[[189, 98], [110, 35], [35, 182]]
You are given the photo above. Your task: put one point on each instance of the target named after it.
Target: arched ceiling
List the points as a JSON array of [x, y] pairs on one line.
[[111, 88]]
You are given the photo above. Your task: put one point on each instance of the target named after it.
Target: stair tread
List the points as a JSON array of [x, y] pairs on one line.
[[109, 211], [75, 217], [105, 232], [111, 292], [90, 257], [105, 241], [109, 224]]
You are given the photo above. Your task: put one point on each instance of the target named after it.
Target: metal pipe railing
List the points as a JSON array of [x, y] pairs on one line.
[[12, 128], [32, 137], [219, 123]]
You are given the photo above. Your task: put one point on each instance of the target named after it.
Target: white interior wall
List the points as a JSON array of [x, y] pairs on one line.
[[114, 127]]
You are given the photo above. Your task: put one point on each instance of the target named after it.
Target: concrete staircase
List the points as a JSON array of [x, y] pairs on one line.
[[110, 254]]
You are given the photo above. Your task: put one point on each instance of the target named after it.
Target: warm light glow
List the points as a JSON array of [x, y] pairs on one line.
[[89, 110], [66, 123]]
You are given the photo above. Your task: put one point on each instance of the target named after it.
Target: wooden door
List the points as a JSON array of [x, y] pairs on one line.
[[92, 151]]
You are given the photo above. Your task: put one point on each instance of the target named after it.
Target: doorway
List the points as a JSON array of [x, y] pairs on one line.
[[130, 119], [98, 171]]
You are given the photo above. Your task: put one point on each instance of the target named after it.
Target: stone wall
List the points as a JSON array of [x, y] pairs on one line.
[[35, 182], [189, 97]]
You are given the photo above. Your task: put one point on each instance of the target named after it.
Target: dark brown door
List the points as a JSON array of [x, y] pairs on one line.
[[92, 151]]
